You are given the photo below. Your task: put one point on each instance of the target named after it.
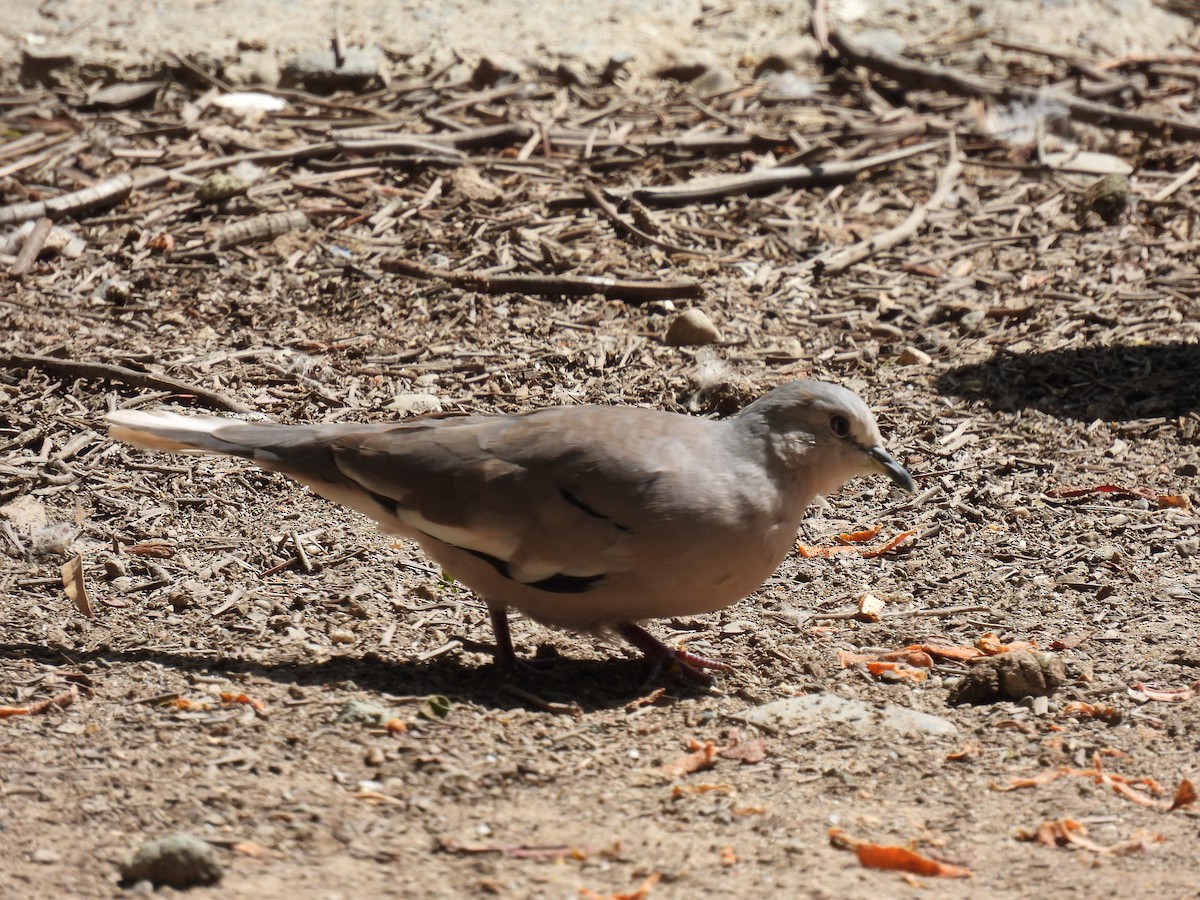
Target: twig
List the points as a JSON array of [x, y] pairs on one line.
[[840, 260], [259, 228], [110, 372], [610, 212], [819, 20], [703, 190], [33, 245], [104, 193], [924, 76], [565, 285], [944, 611], [569, 709]]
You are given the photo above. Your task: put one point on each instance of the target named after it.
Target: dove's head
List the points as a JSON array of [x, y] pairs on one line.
[[824, 434]]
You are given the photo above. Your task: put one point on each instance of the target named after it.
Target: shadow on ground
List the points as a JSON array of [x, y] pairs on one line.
[[1114, 383], [590, 684]]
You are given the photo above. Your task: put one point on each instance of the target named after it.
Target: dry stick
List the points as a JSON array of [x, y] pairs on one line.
[[32, 247], [819, 20], [913, 74], [110, 372], [703, 190], [610, 212], [113, 190], [567, 285], [259, 228], [104, 193], [838, 261]]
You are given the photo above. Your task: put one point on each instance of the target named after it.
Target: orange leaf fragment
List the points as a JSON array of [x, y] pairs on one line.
[[190, 705], [991, 645], [913, 656], [891, 545], [1185, 795], [641, 892], [63, 700], [969, 750], [1052, 833], [650, 698], [256, 705], [1174, 501], [395, 725], [860, 537], [1081, 710], [864, 552], [747, 752], [879, 667], [703, 756], [901, 859], [1045, 777], [253, 850], [728, 856], [681, 790], [1061, 832]]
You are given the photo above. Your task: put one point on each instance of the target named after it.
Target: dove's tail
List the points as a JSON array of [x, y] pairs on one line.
[[302, 451], [173, 433], [306, 453]]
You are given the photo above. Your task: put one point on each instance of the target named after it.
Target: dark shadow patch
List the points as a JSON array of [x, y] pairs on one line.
[[591, 684], [1114, 383]]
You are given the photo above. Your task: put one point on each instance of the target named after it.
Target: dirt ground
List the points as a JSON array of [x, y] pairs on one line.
[[266, 672]]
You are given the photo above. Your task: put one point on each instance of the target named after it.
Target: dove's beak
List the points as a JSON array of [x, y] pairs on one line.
[[887, 465]]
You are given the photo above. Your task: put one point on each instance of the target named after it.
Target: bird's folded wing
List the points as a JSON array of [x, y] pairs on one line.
[[559, 493]]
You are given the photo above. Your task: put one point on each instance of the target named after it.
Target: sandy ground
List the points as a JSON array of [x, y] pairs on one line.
[[1033, 367]]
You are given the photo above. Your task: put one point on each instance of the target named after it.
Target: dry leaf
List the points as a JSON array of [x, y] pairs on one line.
[[76, 589], [1185, 795], [701, 757], [639, 893], [63, 700], [681, 790], [879, 668], [1166, 695], [256, 705], [898, 859]]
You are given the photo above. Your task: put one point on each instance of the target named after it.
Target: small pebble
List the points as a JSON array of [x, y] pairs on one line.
[[692, 328], [341, 636], [971, 320], [911, 356], [47, 856]]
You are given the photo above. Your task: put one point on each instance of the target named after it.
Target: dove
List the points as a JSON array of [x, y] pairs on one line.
[[588, 518]]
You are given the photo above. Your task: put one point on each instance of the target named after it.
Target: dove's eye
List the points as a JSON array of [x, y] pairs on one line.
[[839, 425]]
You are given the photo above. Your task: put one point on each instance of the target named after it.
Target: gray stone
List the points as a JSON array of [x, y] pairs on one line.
[[715, 81], [813, 711], [177, 861], [319, 69]]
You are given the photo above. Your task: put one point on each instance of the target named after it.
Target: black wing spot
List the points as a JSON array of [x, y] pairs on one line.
[[595, 514], [555, 584], [386, 502]]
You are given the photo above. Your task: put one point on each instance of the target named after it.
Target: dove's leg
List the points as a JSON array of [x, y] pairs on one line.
[[691, 665], [505, 656], [502, 650]]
